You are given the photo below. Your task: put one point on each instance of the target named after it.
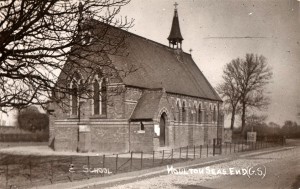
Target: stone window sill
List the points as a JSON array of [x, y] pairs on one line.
[[98, 117], [73, 117]]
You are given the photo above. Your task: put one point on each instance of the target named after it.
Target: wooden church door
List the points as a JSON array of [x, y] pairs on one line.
[[162, 128]]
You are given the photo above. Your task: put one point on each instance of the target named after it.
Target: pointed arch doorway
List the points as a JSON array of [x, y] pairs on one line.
[[162, 129]]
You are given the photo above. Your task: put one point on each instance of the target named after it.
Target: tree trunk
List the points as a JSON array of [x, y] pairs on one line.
[[243, 117], [232, 118]]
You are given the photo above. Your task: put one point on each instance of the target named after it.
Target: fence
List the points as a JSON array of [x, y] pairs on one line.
[[34, 171]]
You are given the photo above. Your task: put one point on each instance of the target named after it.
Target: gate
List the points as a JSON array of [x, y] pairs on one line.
[[217, 146]]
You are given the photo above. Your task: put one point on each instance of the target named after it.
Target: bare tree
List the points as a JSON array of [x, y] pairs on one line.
[[245, 82], [229, 92], [37, 38], [255, 75]]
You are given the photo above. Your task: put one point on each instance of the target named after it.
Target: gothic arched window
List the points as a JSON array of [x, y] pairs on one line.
[[210, 113], [74, 98], [199, 113], [99, 95], [183, 112], [178, 111], [96, 98], [195, 114], [214, 114], [205, 113], [103, 97], [75, 84]]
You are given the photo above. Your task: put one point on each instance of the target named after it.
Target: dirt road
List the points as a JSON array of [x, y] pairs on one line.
[[276, 169]]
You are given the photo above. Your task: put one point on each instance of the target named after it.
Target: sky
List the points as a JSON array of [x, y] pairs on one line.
[[218, 31]]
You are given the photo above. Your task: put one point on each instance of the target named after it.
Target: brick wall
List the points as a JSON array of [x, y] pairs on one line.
[[212, 133], [191, 132], [114, 134], [58, 114], [181, 135], [141, 140], [198, 135], [66, 136], [115, 107], [109, 136]]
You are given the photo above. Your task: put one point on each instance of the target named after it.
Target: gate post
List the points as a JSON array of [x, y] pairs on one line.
[[214, 146]]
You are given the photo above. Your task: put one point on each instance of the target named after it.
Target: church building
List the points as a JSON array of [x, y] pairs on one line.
[[165, 103]]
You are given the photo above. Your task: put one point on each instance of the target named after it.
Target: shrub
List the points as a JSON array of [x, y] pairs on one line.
[[31, 119]]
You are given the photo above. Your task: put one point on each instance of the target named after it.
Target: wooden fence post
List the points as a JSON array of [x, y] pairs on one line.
[[30, 170], [234, 147], [153, 159], [172, 156], [71, 171], [88, 162], [187, 151], [214, 147], [131, 160], [194, 152], [207, 150], [141, 160], [163, 156], [200, 150], [103, 164], [51, 169], [180, 153], [117, 163], [6, 175], [242, 146]]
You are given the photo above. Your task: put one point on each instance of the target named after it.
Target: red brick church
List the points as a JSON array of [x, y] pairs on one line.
[[166, 103]]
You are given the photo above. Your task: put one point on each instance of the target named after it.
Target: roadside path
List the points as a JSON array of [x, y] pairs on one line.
[[157, 177], [212, 175]]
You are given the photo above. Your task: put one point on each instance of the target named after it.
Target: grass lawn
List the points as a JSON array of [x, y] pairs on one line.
[[27, 171]]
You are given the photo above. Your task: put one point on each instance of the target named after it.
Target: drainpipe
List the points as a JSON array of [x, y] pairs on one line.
[[218, 121], [129, 126], [79, 122]]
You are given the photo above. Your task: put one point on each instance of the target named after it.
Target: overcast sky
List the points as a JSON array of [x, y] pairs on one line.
[[215, 31]]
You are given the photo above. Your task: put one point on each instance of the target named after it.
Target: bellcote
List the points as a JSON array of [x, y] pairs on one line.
[[175, 38]]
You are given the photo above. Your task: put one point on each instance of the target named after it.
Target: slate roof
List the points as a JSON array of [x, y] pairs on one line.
[[146, 106], [159, 66]]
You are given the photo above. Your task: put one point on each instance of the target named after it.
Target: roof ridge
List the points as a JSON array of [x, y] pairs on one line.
[[161, 66], [209, 85], [144, 38]]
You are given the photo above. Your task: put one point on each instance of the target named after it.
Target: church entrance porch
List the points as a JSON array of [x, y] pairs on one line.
[[162, 130]]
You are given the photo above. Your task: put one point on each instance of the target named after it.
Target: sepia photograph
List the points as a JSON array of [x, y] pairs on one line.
[[149, 94]]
